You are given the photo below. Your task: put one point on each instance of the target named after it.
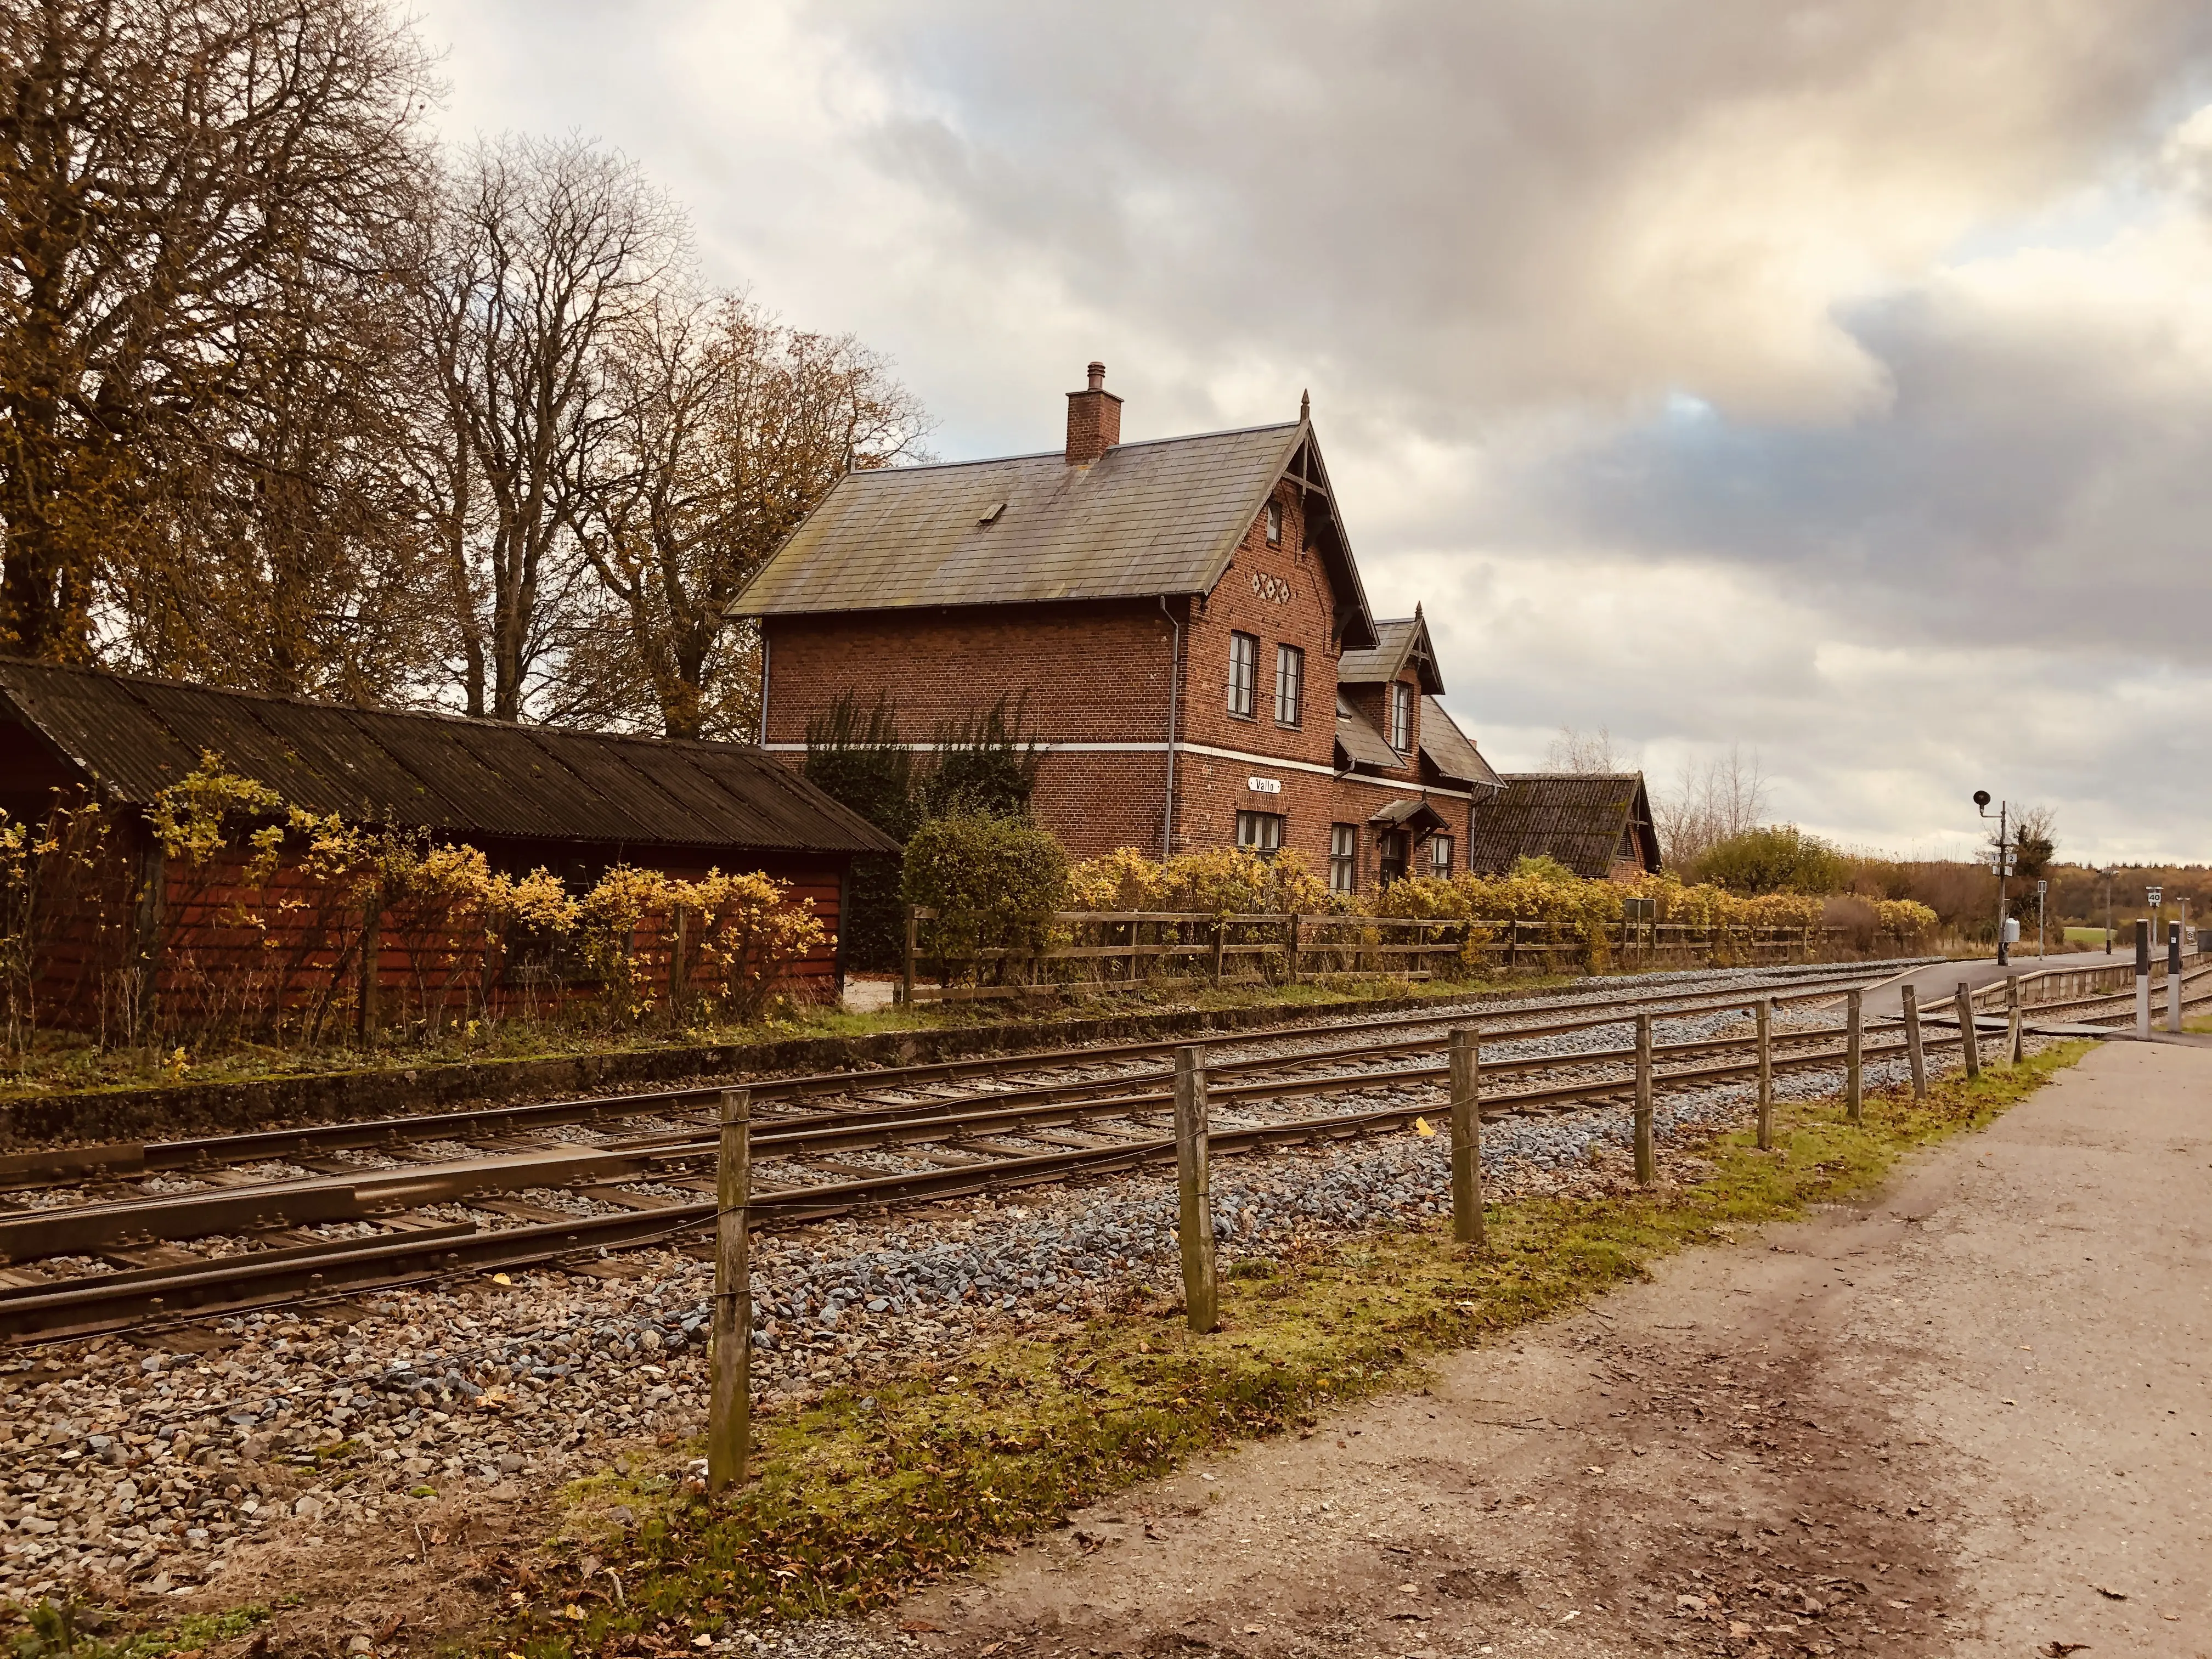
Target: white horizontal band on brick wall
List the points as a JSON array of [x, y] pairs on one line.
[[1244, 757]]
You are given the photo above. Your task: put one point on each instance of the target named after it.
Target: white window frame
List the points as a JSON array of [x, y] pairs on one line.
[[1442, 850], [1289, 686], [1260, 832], [1243, 673], [1401, 717], [1271, 523], [1343, 858]]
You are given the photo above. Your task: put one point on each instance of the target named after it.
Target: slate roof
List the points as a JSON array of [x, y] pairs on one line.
[[1580, 819], [1450, 750], [133, 737], [1145, 519], [1362, 743], [1397, 641]]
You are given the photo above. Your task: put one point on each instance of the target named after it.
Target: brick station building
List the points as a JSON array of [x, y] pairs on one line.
[[1183, 619]]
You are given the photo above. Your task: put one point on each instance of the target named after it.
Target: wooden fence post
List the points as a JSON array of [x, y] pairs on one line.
[[1968, 1035], [1914, 1052], [372, 950], [1291, 950], [1201, 1291], [2015, 1052], [906, 965], [147, 916], [1512, 943], [1220, 945], [729, 1423], [1647, 1165], [679, 955], [1854, 1073], [1467, 1135], [1762, 1013]]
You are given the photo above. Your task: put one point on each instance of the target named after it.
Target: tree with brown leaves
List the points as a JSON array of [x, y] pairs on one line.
[[177, 179]]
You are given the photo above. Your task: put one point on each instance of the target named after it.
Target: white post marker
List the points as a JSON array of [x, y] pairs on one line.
[[2143, 979], [2173, 977]]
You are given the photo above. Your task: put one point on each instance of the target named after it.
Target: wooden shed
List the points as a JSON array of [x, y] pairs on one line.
[[1596, 824], [574, 803]]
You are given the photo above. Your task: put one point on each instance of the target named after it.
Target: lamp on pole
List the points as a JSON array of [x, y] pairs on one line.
[[2001, 868]]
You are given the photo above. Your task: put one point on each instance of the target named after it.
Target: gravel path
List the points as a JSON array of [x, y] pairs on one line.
[[161, 1466]]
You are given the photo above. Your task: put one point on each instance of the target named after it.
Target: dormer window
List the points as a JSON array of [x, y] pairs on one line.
[[1401, 717], [1274, 517]]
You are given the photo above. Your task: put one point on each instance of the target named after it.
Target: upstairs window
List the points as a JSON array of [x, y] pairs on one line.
[[1274, 520], [1343, 857], [1243, 673], [1290, 685], [1401, 717]]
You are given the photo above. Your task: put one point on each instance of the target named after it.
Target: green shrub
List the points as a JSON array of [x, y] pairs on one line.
[[855, 756], [993, 881], [1777, 858], [986, 765]]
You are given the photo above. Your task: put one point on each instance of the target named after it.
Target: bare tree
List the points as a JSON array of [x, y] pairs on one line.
[[1585, 752], [1714, 799], [542, 253], [731, 426], [174, 174]]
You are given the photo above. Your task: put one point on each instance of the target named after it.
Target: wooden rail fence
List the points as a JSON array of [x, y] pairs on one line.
[[1110, 950]]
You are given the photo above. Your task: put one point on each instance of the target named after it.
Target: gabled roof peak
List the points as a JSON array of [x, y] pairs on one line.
[[1398, 642]]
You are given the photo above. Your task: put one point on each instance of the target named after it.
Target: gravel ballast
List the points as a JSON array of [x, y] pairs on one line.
[[131, 1465]]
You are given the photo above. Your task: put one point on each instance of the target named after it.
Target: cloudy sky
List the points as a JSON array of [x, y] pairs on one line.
[[1833, 381]]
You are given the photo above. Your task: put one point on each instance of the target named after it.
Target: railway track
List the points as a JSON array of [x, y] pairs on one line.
[[409, 1197]]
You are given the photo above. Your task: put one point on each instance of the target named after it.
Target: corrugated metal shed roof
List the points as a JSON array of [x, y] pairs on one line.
[[1450, 750], [1143, 520], [1362, 743], [1397, 641], [1580, 819], [136, 737]]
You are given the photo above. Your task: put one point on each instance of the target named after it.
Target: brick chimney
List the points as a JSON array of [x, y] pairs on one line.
[[1094, 420]]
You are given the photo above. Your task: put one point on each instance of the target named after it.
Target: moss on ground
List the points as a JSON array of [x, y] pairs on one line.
[[862, 1497], [53, 1630]]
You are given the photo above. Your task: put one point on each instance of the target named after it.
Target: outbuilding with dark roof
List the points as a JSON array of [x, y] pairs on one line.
[[574, 803], [1597, 825]]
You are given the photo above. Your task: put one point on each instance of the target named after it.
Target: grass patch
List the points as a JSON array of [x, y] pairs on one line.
[[51, 1630], [860, 1498]]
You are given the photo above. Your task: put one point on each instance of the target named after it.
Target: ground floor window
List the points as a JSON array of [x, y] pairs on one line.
[[1390, 856], [1260, 833], [1440, 856], [1343, 857]]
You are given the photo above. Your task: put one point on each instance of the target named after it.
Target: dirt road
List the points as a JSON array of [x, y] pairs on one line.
[[1974, 1419]]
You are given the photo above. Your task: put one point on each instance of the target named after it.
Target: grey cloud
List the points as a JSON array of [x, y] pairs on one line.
[[1939, 526], [1444, 211]]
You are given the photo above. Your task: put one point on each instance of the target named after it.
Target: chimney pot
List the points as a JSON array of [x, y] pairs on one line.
[[1094, 419]]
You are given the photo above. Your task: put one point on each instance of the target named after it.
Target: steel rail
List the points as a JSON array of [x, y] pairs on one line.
[[26, 1171], [263, 1278], [91, 1228]]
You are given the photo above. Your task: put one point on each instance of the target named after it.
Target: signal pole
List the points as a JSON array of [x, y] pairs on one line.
[[2002, 868]]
